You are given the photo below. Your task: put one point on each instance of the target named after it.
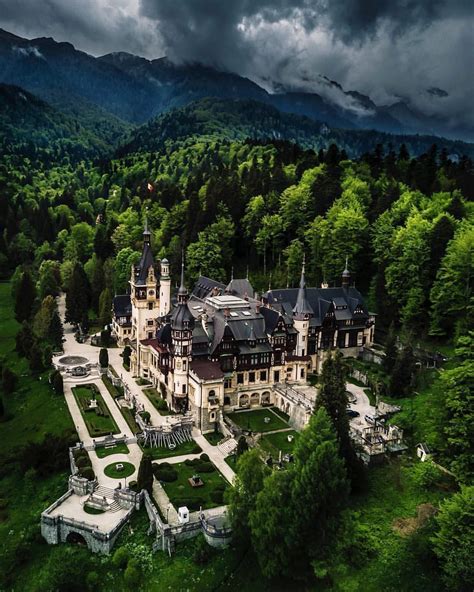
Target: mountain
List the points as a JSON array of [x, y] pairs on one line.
[[33, 128], [241, 119], [135, 89]]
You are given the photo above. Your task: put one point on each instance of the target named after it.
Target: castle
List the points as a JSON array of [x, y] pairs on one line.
[[221, 348]]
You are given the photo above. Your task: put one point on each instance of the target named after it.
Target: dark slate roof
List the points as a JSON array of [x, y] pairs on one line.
[[320, 300], [242, 288], [204, 287], [207, 370], [181, 317], [271, 317], [164, 334], [122, 305], [146, 261]]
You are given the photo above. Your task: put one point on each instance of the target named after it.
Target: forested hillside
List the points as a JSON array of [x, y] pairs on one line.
[[34, 129], [240, 119]]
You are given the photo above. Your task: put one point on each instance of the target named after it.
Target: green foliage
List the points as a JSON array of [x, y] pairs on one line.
[[426, 474], [453, 541], [25, 296], [145, 474], [104, 358], [401, 379], [9, 380], [458, 386]]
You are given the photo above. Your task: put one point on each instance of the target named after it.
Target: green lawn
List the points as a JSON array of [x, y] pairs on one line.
[[157, 401], [120, 448], [255, 420], [273, 443], [180, 490], [159, 452], [112, 471], [97, 424]]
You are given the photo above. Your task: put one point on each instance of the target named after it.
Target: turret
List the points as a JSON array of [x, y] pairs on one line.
[[165, 288], [346, 277], [302, 312]]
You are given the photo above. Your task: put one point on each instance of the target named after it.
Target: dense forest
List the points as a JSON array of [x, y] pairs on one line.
[[243, 189]]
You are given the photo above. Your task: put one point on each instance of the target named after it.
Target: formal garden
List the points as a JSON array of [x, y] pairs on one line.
[[194, 483], [158, 452], [109, 449], [94, 411], [259, 420], [119, 470]]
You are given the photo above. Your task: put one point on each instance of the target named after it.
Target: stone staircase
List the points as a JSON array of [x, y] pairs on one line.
[[108, 493], [227, 446]]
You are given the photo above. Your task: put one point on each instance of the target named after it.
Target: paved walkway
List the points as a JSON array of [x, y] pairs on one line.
[[362, 405], [72, 347]]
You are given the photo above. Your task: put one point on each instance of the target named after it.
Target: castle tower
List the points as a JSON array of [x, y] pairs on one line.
[[302, 312], [165, 288], [143, 293], [182, 324]]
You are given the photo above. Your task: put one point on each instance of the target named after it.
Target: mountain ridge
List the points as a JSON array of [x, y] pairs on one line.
[[136, 89]]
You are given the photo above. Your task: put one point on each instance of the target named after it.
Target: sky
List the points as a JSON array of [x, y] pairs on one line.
[[388, 49]]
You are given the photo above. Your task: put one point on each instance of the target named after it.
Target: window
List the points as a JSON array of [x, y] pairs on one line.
[[184, 389], [227, 383], [226, 400], [302, 373], [251, 376], [150, 306], [276, 376], [263, 375], [150, 323], [150, 334], [184, 364], [240, 378]]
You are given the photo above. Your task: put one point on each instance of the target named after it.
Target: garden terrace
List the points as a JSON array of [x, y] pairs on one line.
[[158, 452], [256, 420], [157, 401], [181, 492], [98, 419], [273, 443], [120, 448], [115, 391]]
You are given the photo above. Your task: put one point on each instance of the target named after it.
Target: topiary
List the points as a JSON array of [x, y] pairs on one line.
[[82, 462], [217, 496], [188, 462], [87, 473], [133, 485], [205, 467], [204, 457]]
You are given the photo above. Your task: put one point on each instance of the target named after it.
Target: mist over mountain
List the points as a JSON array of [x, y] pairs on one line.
[[135, 89]]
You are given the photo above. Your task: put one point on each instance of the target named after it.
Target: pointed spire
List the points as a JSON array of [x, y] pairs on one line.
[[182, 292], [346, 276], [302, 306], [146, 232]]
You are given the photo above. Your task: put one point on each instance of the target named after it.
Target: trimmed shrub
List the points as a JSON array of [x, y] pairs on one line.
[[205, 467], [196, 449], [188, 462], [165, 473], [133, 485], [190, 503], [87, 473], [217, 496], [204, 457], [82, 462]]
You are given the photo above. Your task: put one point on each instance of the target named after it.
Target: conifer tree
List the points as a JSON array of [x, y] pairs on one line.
[[77, 296], [55, 333], [103, 358], [391, 350], [105, 306], [25, 297], [145, 474]]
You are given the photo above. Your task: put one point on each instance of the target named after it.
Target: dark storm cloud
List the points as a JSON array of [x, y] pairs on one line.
[[95, 26], [385, 48]]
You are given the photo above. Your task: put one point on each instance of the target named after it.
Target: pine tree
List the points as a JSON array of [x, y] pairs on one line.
[[55, 331], [23, 340], [402, 374], [104, 358], [145, 474], [57, 382], [25, 297], [332, 396], [105, 306], [77, 296]]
